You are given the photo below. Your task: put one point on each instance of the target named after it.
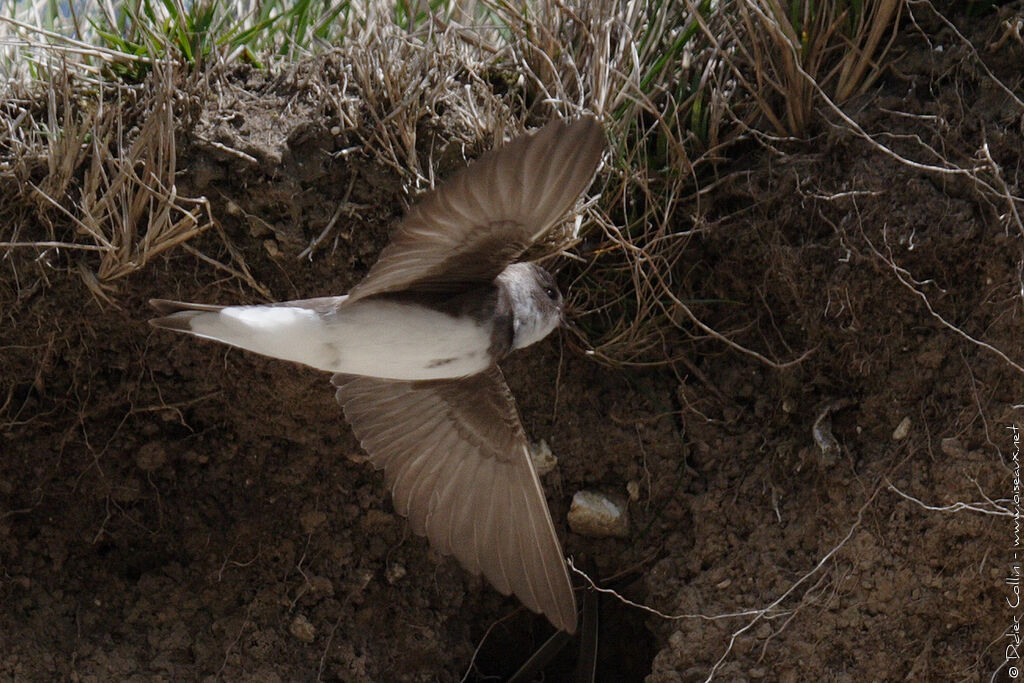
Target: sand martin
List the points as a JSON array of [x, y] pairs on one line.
[[415, 345]]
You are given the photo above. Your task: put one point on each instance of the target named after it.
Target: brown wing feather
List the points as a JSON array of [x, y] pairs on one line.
[[485, 216], [455, 456]]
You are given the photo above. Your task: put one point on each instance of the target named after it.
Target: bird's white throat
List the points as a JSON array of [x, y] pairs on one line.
[[533, 316]]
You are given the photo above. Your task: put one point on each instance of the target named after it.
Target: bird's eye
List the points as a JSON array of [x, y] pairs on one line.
[[552, 293]]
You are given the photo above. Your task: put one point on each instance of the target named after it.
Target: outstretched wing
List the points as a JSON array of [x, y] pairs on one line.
[[456, 459], [484, 218]]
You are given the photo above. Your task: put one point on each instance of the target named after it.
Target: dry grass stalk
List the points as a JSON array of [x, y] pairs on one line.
[[105, 189], [399, 80], [792, 49]]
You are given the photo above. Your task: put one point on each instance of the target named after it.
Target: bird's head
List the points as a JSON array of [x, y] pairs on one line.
[[537, 306]]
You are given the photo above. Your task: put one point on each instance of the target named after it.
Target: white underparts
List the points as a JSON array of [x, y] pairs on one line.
[[379, 339]]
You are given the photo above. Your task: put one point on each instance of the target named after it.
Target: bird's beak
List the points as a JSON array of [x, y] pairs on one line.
[[566, 321]]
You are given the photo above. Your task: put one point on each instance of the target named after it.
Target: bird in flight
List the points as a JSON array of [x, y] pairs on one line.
[[415, 346]]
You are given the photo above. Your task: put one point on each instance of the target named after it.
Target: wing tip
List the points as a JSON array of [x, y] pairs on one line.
[[585, 137], [591, 136], [167, 306], [566, 623]]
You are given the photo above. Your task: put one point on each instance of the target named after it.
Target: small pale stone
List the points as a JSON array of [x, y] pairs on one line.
[[151, 456], [394, 573], [357, 457], [302, 629], [902, 429], [543, 459], [633, 490], [677, 640], [360, 580], [598, 515], [952, 447]]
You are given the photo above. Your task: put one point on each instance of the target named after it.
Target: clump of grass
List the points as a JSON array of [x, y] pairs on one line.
[[197, 32], [96, 187], [790, 50], [128, 37]]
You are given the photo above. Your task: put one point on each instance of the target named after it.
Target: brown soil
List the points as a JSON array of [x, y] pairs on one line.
[[170, 509]]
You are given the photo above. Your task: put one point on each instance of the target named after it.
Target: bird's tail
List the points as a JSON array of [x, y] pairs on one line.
[[291, 330], [177, 315]]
